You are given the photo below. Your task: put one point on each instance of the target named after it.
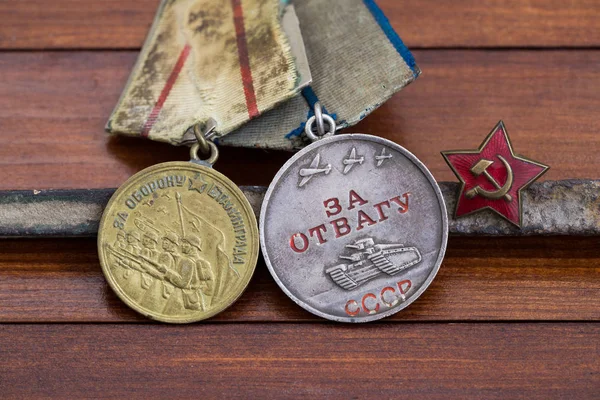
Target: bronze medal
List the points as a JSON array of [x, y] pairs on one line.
[[178, 242]]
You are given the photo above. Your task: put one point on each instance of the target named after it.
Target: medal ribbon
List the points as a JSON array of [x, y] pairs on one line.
[[230, 61]]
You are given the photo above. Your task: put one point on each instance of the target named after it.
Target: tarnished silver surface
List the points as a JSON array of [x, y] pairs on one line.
[[568, 207], [353, 228]]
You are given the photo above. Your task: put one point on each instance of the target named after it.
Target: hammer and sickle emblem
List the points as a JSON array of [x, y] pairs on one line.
[[502, 192]]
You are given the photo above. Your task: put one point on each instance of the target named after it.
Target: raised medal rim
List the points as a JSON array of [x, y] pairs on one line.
[[247, 208], [418, 164]]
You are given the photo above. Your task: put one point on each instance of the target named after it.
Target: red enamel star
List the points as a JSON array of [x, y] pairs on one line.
[[493, 176]]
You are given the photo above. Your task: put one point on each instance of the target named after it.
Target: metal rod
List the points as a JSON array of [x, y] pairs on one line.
[[568, 207]]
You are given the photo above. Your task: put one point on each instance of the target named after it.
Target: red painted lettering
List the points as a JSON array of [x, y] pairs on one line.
[[364, 306], [402, 205], [388, 297], [384, 301], [362, 219], [341, 227], [404, 289], [304, 239], [334, 207], [353, 197], [318, 231], [379, 207], [356, 308]]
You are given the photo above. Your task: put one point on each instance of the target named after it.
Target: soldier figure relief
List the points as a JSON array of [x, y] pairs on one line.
[[182, 269], [182, 248]]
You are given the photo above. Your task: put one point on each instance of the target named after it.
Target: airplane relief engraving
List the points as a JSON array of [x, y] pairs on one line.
[[352, 160], [368, 259], [382, 157], [314, 169], [354, 227]]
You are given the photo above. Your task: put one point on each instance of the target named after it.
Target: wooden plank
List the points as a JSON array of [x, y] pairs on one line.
[[39, 24], [467, 361], [495, 23], [481, 279], [53, 107]]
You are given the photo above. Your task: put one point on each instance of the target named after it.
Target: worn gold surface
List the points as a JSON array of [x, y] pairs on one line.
[[178, 242]]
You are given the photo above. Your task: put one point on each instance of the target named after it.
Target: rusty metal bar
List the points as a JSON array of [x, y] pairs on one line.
[[568, 207]]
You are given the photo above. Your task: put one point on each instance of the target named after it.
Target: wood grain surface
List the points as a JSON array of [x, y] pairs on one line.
[[481, 279], [115, 24], [53, 107], [505, 318], [441, 361]]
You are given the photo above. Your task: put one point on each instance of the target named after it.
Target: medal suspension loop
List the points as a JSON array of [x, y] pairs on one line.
[[315, 126], [204, 146]]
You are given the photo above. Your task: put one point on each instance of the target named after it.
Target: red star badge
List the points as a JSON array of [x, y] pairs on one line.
[[493, 176]]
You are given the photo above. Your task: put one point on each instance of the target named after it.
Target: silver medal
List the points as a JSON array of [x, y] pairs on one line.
[[353, 228]]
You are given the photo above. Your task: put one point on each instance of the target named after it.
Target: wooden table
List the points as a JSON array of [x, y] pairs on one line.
[[505, 318]]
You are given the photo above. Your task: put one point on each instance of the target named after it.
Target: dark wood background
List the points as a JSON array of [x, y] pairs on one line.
[[505, 318]]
